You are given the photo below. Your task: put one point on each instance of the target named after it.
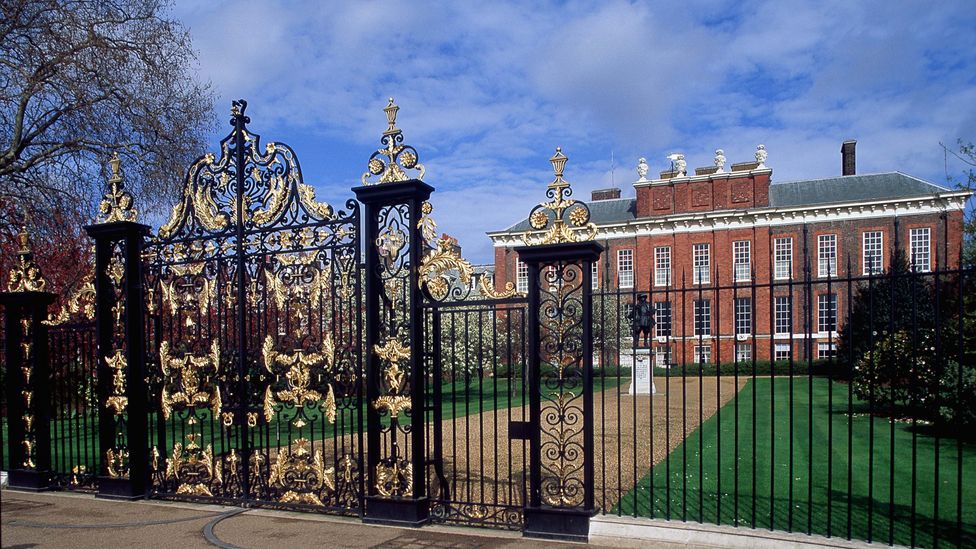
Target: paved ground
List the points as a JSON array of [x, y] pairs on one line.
[[80, 521]]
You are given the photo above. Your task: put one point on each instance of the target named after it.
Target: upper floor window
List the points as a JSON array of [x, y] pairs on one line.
[[662, 318], [873, 252], [783, 315], [702, 263], [827, 255], [662, 266], [783, 258], [920, 249], [703, 317], [522, 276], [743, 315], [625, 268], [827, 312], [742, 259], [595, 275]]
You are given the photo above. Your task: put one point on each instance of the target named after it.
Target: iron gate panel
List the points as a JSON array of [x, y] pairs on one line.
[[254, 333], [477, 391]]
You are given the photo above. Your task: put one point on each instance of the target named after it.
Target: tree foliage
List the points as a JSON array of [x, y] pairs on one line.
[[80, 79]]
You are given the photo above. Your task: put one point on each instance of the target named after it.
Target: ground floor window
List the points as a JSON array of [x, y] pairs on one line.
[[826, 350], [703, 354], [781, 351], [743, 352], [662, 356]]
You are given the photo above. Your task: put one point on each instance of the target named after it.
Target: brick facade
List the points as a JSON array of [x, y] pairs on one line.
[[719, 209]]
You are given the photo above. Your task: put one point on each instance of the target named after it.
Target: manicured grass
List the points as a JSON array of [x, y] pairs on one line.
[[819, 490]]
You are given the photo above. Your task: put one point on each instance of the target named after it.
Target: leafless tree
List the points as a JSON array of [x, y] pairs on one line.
[[80, 79]]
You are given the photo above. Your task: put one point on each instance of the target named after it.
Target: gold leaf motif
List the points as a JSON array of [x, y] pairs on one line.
[[117, 463], [394, 479], [577, 229], [117, 203], [25, 275], [117, 401], [488, 290], [184, 372], [298, 377], [436, 266], [398, 157]]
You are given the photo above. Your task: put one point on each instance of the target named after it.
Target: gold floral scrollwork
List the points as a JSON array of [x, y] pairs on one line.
[[574, 227], [117, 401], [320, 210], [426, 224], [298, 377], [276, 198], [488, 290], [117, 204], [188, 291], [117, 463], [399, 157], [184, 373], [81, 301], [25, 275], [394, 479], [193, 470], [436, 266], [302, 474]]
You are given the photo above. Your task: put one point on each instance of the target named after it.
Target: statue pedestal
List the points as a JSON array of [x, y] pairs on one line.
[[641, 381]]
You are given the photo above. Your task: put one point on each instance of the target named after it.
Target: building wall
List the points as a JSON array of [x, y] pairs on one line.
[[721, 291]]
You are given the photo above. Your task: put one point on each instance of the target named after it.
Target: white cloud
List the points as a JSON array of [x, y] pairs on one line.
[[488, 90]]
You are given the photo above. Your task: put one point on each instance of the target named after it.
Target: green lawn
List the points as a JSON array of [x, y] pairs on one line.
[[755, 489]]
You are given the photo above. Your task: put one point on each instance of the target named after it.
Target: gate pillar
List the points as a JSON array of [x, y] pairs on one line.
[[28, 373], [560, 364], [396, 491], [120, 334]]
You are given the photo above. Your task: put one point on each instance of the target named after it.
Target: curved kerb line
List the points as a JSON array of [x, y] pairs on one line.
[[208, 530], [218, 518]]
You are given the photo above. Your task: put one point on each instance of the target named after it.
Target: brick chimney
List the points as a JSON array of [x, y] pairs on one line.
[[605, 194], [848, 164]]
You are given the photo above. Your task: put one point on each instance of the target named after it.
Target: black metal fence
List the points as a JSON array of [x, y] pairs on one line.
[[839, 406], [263, 348]]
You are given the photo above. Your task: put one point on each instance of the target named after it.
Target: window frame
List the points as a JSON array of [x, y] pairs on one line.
[[742, 257], [866, 265], [913, 256], [701, 263], [621, 271], [831, 260], [778, 315], [702, 310], [783, 262], [659, 270]]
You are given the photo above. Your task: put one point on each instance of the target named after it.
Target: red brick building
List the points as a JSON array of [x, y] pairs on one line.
[[737, 265]]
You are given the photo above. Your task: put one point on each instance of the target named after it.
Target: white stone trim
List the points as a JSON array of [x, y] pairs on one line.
[[766, 217]]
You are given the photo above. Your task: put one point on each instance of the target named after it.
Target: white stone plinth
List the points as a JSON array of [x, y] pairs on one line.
[[641, 380]]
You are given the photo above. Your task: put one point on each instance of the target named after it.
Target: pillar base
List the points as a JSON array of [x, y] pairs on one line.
[[118, 489], [561, 524], [29, 480], [406, 512]]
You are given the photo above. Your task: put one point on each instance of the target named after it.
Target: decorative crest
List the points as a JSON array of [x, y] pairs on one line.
[[566, 219], [25, 276], [117, 204], [399, 157]]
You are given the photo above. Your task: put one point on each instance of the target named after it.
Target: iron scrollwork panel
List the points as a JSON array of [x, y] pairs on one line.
[[561, 384], [254, 309]]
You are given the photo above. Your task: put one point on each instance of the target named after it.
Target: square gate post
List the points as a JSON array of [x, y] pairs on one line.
[[396, 480], [559, 257], [28, 373], [123, 422], [560, 373]]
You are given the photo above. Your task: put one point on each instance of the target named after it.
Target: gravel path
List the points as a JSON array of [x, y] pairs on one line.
[[483, 464]]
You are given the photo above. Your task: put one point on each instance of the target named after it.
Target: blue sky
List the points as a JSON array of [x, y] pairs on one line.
[[488, 90]]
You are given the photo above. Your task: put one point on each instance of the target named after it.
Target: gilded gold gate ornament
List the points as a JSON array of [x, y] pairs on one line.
[[302, 474], [25, 275], [117, 203], [399, 157], [117, 401], [566, 219], [299, 377], [184, 372], [193, 469], [437, 267]]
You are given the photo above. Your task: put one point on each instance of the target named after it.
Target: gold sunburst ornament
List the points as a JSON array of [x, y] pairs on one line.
[[562, 219], [399, 157]]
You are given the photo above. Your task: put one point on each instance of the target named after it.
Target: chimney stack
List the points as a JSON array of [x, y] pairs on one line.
[[848, 164], [605, 194]]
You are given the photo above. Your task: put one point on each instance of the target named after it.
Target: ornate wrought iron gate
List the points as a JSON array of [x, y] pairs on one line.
[[254, 335]]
